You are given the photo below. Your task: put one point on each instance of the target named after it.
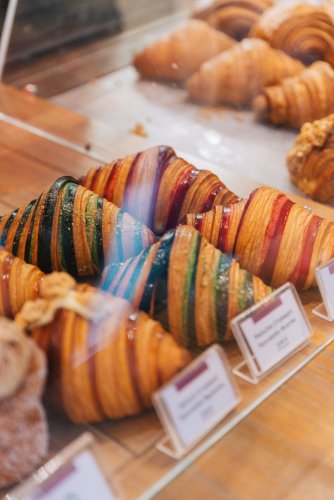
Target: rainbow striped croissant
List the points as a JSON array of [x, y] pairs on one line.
[[71, 229], [192, 288], [157, 187]]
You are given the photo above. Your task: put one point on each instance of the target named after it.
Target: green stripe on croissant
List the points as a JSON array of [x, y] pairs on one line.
[[199, 273], [69, 228]]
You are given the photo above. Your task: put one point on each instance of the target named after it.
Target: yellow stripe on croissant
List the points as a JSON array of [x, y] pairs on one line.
[[107, 358]]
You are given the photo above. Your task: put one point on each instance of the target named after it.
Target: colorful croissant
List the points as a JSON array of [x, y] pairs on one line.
[[305, 97], [311, 160], [105, 358], [239, 74], [158, 188], [19, 282], [71, 229], [270, 236], [179, 54], [188, 285], [234, 17], [302, 31]]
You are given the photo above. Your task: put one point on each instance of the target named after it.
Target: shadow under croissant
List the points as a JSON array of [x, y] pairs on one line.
[[192, 288]]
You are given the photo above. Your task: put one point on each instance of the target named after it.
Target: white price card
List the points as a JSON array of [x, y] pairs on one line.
[[80, 479], [72, 474], [271, 331], [325, 279], [196, 400]]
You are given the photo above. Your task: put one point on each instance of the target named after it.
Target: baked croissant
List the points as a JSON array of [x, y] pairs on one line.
[[270, 236], [296, 100], [238, 74], [70, 228], [19, 282], [311, 160], [176, 56], [302, 31], [189, 286], [158, 188], [106, 358], [234, 17]]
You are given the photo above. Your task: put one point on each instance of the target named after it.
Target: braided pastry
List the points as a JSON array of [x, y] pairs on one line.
[[311, 161], [189, 286], [234, 17], [72, 229], [240, 73], [176, 56], [105, 359], [158, 188], [270, 236], [302, 31], [19, 282], [296, 100]]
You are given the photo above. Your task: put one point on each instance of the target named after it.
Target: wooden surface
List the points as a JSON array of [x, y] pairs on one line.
[[283, 448]]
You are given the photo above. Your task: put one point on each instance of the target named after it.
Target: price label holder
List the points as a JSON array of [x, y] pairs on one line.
[[195, 401], [270, 332], [73, 474], [325, 279]]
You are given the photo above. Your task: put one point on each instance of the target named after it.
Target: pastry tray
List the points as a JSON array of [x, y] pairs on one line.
[[133, 464]]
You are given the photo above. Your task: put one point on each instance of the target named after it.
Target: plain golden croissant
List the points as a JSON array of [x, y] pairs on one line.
[[271, 237], [303, 31], [311, 160], [105, 359], [188, 285], [234, 17], [71, 229], [176, 56], [157, 187], [240, 73], [305, 97], [19, 282]]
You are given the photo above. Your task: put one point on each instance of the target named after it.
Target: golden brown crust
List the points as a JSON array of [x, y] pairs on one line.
[[177, 55], [302, 31], [237, 75], [233, 17], [311, 160], [296, 100]]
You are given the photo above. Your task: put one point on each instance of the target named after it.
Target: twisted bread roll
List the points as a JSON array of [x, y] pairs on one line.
[[303, 31], [176, 56], [239, 74], [296, 100], [271, 237], [24, 432], [158, 188], [72, 229], [234, 17], [106, 358], [19, 282], [189, 286], [311, 160]]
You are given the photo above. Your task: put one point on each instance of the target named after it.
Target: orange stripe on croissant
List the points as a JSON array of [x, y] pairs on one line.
[[157, 187], [271, 236]]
